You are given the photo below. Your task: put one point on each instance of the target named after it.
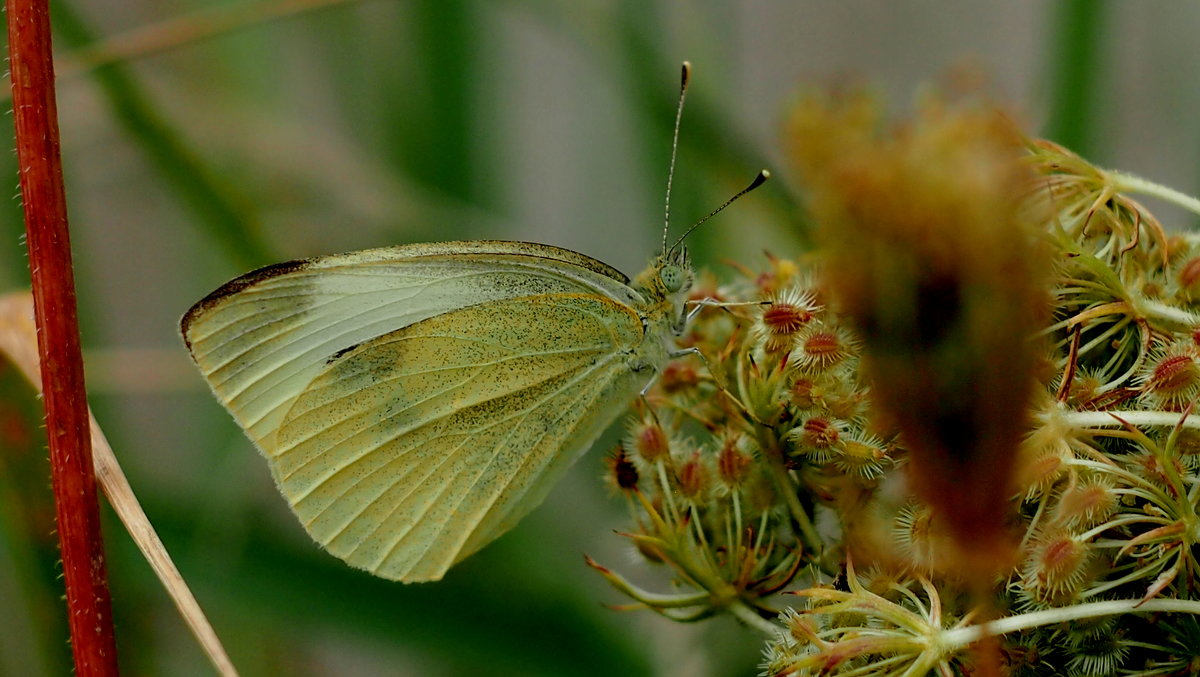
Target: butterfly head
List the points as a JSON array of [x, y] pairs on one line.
[[665, 285], [675, 271]]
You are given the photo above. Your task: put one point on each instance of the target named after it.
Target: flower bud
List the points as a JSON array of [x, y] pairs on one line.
[[1055, 568], [733, 465], [1085, 504], [1171, 377], [818, 348], [693, 478], [649, 440]]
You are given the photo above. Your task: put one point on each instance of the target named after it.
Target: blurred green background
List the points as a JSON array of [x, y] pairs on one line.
[[202, 139]]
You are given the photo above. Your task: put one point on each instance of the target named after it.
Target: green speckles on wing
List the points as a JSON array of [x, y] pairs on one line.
[[415, 402], [419, 447]]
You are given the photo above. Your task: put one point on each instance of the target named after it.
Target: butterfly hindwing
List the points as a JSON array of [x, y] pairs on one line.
[[412, 450]]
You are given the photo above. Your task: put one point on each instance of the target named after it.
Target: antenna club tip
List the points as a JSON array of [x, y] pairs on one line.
[[685, 74], [759, 180]]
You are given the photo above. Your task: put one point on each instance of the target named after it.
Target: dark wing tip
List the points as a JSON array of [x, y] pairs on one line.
[[234, 286]]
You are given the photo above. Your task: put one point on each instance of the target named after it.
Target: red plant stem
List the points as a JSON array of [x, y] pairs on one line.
[[35, 114]]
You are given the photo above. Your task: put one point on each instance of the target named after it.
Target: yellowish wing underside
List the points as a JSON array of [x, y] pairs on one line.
[[417, 448], [262, 338]]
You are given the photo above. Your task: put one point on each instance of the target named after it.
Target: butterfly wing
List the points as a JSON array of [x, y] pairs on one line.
[[262, 338], [416, 448]]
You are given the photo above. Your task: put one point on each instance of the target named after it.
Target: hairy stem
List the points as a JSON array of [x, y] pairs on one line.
[[44, 198]]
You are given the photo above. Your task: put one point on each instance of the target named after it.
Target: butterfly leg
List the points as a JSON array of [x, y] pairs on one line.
[[646, 388], [684, 352], [701, 304]]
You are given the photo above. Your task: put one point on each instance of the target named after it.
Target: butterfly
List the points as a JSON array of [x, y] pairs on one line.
[[415, 402]]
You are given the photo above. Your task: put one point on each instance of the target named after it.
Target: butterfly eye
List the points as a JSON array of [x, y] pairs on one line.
[[672, 277]]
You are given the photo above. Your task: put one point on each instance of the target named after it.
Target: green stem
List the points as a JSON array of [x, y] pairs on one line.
[[1150, 569], [737, 520], [1109, 419], [1165, 312], [961, 637], [1128, 183], [787, 488], [751, 618], [668, 501]]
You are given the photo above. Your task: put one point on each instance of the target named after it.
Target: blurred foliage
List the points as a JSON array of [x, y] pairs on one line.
[[360, 125]]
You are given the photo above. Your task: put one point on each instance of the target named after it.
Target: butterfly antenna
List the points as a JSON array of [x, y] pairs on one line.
[[685, 76], [758, 181]]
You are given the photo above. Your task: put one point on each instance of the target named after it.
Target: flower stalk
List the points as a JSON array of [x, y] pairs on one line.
[[72, 477]]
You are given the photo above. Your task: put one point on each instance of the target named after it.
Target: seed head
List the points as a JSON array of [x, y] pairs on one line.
[[1188, 277], [786, 314], [819, 347], [805, 393], [693, 478], [1171, 377], [1055, 568], [862, 455], [649, 440], [733, 465], [1085, 504]]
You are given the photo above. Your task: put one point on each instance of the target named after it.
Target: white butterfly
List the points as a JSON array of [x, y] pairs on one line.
[[415, 402]]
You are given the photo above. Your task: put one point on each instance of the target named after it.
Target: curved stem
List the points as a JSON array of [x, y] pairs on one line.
[[1128, 183], [1163, 311], [751, 618], [1109, 419], [960, 637]]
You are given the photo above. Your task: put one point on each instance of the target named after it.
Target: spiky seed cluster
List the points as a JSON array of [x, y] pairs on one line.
[[1171, 376], [783, 317], [1055, 568], [863, 457], [693, 478], [733, 464], [817, 437], [647, 438], [913, 533], [818, 348], [1188, 277], [1086, 504], [780, 461], [1099, 653]]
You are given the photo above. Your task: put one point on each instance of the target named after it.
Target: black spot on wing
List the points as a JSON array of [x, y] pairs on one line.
[[334, 357]]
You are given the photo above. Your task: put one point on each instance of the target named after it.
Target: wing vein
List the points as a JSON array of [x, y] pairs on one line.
[[351, 394]]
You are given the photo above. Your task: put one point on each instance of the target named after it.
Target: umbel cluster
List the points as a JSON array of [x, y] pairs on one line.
[[958, 437]]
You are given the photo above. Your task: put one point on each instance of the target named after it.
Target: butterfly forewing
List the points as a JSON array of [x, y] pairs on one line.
[[260, 339], [416, 448]]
